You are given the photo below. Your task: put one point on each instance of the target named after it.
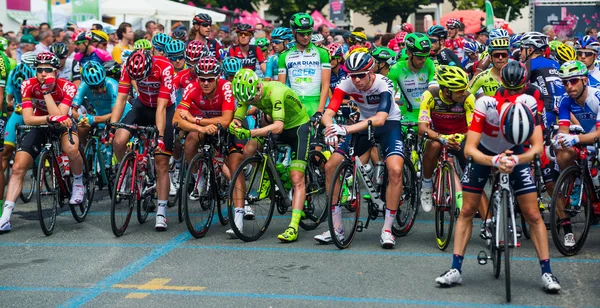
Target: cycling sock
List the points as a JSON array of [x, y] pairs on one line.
[[566, 225], [390, 215], [238, 217], [427, 183], [545, 264], [337, 218], [8, 208], [78, 179], [457, 262], [459, 200], [162, 207], [296, 215]]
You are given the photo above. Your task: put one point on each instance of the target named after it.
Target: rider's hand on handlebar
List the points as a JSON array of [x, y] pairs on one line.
[[63, 120], [335, 130], [209, 129]]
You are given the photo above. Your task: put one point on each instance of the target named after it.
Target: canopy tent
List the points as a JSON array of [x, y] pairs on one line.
[[320, 20], [171, 10], [472, 20], [88, 24], [251, 19]]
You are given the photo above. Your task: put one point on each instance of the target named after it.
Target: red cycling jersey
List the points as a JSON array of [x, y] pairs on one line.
[[199, 105], [183, 79], [158, 85], [457, 45], [63, 93]]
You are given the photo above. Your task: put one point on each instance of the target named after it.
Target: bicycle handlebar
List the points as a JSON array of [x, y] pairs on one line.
[[30, 127], [147, 129]]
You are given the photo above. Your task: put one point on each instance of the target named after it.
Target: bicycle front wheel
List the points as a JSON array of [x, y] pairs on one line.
[[180, 190], [508, 240], [315, 207], [406, 214], [200, 199], [445, 206], [343, 206], [47, 192], [124, 195], [495, 251]]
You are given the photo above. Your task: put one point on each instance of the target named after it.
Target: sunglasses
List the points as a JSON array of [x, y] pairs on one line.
[[244, 34], [585, 54], [572, 81], [44, 70], [276, 42], [79, 42], [420, 57], [204, 24], [177, 58], [433, 40], [500, 55], [96, 87], [305, 34], [359, 76], [159, 49], [206, 79], [452, 28]]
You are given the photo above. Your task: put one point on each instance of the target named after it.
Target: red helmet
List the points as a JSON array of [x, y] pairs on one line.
[[47, 57], [195, 50], [335, 50], [400, 37], [408, 28], [208, 66], [453, 23], [139, 64]]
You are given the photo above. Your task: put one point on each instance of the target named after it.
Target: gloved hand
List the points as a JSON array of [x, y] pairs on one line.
[[88, 118], [48, 86], [57, 119], [161, 145], [567, 140], [242, 133], [335, 130], [332, 141]]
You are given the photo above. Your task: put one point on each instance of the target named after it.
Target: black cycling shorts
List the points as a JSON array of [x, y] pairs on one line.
[[298, 138], [389, 136], [31, 141], [143, 115]]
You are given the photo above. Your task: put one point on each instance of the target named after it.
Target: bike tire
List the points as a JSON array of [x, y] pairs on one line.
[[444, 212], [315, 208], [47, 186], [223, 196], [407, 213], [80, 211], [198, 214], [122, 194], [27, 193], [263, 208], [495, 251], [180, 191], [349, 207], [145, 203], [507, 204]]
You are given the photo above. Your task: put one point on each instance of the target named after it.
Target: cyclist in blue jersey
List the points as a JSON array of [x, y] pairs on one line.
[[280, 37], [587, 49]]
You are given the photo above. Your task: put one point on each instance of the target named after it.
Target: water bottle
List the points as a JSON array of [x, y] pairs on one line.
[[369, 170], [66, 166], [379, 169], [595, 175], [59, 160], [288, 156]]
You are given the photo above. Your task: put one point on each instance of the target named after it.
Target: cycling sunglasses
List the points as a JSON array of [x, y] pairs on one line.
[[433, 40], [159, 49], [359, 76], [572, 81], [96, 87], [499, 55], [44, 70], [204, 24], [585, 54], [244, 34], [176, 58], [305, 34], [206, 79], [276, 42]]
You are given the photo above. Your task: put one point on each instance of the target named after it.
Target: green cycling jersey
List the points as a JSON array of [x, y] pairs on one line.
[[409, 86], [484, 83]]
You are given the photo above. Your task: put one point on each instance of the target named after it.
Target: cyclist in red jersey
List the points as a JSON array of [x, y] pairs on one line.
[[249, 54], [201, 32], [455, 41], [153, 106], [46, 100]]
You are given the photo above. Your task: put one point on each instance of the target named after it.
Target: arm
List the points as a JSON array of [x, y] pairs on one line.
[[275, 128], [225, 118], [282, 76], [31, 119], [161, 115], [185, 124], [117, 110], [325, 81]]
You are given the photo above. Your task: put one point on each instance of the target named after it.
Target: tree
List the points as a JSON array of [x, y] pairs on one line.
[[284, 9], [500, 6], [385, 11]]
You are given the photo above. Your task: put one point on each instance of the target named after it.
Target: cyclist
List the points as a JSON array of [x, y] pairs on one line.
[[179, 34], [159, 44], [519, 118], [202, 26], [153, 106], [397, 44], [100, 39], [307, 67], [565, 53], [455, 42], [587, 52], [263, 44], [112, 69], [471, 59], [230, 67], [318, 39], [384, 59], [86, 50], [488, 81], [515, 47], [46, 99], [444, 112], [290, 124], [280, 37], [583, 101], [5, 72], [440, 53], [338, 73], [251, 55], [142, 44], [69, 71], [175, 52], [374, 96]]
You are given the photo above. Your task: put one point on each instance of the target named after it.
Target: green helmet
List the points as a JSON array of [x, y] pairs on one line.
[[384, 54], [245, 84], [302, 22], [262, 43], [554, 44], [3, 44], [572, 69], [418, 43], [142, 44]]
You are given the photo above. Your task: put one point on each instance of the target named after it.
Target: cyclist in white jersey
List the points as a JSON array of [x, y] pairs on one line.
[[587, 52]]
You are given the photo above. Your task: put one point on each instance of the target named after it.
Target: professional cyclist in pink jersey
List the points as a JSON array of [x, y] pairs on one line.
[[46, 100], [153, 106], [87, 52]]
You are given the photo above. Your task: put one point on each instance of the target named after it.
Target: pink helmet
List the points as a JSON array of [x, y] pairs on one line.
[[400, 37], [408, 28]]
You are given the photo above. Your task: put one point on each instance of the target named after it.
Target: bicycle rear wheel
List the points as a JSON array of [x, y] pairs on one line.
[[445, 206], [28, 183], [568, 209], [199, 186], [80, 211], [507, 204], [315, 207], [180, 191], [124, 195], [259, 192], [48, 194], [406, 214], [343, 214]]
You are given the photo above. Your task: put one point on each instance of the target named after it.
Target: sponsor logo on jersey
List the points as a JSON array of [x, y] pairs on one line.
[[373, 99]]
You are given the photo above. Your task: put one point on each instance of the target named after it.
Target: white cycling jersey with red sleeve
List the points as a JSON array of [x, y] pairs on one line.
[[159, 84], [32, 96]]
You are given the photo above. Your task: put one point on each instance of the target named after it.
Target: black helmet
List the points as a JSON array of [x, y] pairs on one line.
[[202, 18], [514, 75], [59, 49], [438, 31], [244, 28]]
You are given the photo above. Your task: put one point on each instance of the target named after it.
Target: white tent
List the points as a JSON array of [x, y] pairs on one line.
[[128, 8], [160, 9], [88, 23]]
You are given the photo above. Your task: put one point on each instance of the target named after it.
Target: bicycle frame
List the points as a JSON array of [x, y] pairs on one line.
[[504, 186]]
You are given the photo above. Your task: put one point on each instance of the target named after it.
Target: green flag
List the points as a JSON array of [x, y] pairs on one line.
[[86, 9], [489, 15]]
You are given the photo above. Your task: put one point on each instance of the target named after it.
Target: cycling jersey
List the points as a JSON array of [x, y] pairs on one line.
[[445, 116], [199, 104], [12, 90], [336, 79], [97, 55], [378, 98], [102, 102], [280, 102], [484, 83], [588, 115], [447, 57], [544, 74], [4, 69], [272, 67], [181, 81], [250, 60], [71, 70], [214, 47], [158, 85], [411, 86], [594, 77], [63, 93], [457, 44]]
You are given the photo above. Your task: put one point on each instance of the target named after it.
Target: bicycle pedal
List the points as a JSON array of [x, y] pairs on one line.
[[482, 258], [359, 226]]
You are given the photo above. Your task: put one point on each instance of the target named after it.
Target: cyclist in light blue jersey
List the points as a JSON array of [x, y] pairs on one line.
[[280, 37]]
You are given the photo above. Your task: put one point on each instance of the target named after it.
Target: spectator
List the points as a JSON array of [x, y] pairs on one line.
[[338, 39], [214, 31], [139, 34], [113, 39], [591, 31], [329, 39], [226, 42], [71, 26], [549, 31], [1, 31], [27, 44], [482, 36], [44, 26], [46, 38], [151, 27], [323, 30], [13, 45], [97, 27], [10, 34], [160, 28], [223, 32], [268, 31], [386, 38], [259, 26], [377, 40], [126, 39], [359, 29]]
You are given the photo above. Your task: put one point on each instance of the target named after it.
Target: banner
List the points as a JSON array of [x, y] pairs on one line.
[[489, 16], [336, 10], [21, 5], [86, 9], [568, 20]]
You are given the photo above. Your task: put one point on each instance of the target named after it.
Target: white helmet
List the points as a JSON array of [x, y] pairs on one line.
[[534, 39], [516, 123]]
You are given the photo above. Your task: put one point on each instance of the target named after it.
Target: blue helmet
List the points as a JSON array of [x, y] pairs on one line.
[[175, 48], [21, 73], [93, 73], [515, 41], [231, 65], [438, 31], [161, 40], [471, 46], [498, 33], [282, 33], [588, 42]]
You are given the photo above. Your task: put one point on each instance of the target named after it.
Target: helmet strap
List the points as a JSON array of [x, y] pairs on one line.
[[582, 91]]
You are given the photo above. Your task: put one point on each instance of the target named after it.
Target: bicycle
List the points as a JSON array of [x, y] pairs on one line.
[[413, 149], [261, 194], [99, 158], [53, 182], [179, 136], [136, 179], [28, 189], [208, 185], [503, 227], [347, 174]]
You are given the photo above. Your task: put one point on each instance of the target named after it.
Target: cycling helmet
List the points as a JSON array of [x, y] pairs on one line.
[[262, 43], [516, 123], [302, 22], [499, 44], [160, 41], [21, 73], [408, 28], [244, 28], [316, 38], [471, 46], [513, 75], [587, 42], [93, 73], [3, 43], [384, 54], [357, 37], [143, 44], [572, 69], [515, 41], [453, 23], [554, 44], [84, 36], [452, 77], [231, 65], [438, 31], [245, 84], [202, 18], [357, 48], [499, 33], [534, 39], [125, 55], [282, 33], [208, 66], [59, 49], [47, 57], [139, 64], [175, 48], [400, 37], [179, 34], [29, 58], [99, 36], [565, 53], [359, 62], [112, 68], [418, 43], [194, 51], [335, 50]]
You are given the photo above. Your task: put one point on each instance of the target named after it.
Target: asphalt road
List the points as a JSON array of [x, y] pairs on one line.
[[83, 264]]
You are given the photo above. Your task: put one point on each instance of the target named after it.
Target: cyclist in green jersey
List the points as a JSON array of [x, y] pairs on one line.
[[290, 125], [307, 67], [415, 75], [5, 68], [488, 81], [384, 59]]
